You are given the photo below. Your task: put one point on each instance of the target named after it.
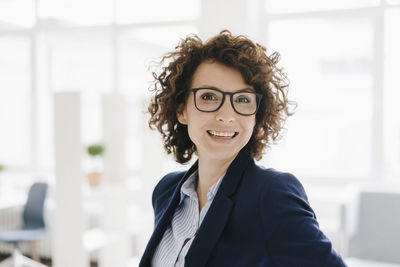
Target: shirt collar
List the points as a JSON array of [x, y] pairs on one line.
[[189, 187]]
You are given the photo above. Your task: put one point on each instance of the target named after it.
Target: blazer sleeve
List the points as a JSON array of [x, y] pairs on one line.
[[290, 226]]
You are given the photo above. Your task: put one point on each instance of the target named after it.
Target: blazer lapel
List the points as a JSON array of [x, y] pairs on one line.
[[165, 220], [217, 216]]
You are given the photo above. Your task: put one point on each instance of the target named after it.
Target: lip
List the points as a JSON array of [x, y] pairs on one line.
[[229, 130], [223, 140]]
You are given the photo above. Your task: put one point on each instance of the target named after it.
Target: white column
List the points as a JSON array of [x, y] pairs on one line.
[[113, 222], [113, 193], [114, 109], [69, 223]]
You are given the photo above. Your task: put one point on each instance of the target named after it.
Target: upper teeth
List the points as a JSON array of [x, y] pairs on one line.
[[222, 133]]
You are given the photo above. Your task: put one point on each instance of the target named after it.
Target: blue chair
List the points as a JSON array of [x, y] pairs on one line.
[[33, 229]]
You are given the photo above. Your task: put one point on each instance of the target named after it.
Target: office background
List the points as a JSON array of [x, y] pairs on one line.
[[341, 57]]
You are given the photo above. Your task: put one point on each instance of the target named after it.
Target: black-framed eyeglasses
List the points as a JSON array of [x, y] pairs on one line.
[[243, 102]]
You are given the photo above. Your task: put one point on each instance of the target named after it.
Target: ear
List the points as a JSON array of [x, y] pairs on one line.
[[181, 115]]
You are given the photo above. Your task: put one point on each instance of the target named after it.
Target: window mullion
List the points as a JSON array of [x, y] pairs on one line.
[[378, 73]]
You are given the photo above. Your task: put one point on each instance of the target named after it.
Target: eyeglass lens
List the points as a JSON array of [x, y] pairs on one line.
[[210, 100]]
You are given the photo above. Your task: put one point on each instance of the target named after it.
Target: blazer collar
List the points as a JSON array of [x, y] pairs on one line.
[[215, 220], [218, 214]]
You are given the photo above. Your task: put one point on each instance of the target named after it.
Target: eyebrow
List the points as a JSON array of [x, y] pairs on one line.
[[247, 89]]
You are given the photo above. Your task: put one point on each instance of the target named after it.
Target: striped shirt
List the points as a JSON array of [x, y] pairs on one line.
[[178, 237]]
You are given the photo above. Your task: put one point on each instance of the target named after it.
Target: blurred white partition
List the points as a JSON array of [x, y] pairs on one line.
[[116, 251], [113, 124], [69, 219], [113, 193], [71, 242]]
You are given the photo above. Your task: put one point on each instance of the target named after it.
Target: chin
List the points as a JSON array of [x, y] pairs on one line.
[[222, 155]]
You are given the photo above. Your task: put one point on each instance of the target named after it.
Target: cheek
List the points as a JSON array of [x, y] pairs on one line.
[[250, 129], [250, 126], [195, 125]]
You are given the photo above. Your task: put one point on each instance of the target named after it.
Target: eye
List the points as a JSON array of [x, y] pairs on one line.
[[243, 99], [209, 97]]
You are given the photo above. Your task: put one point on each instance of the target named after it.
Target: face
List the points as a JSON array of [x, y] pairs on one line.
[[221, 134]]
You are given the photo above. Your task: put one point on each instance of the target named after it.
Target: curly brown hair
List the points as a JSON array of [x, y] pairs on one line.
[[237, 52]]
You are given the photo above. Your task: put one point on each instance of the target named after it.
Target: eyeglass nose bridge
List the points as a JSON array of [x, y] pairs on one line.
[[230, 100]]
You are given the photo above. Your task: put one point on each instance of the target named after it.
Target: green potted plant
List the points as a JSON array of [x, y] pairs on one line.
[[95, 152]]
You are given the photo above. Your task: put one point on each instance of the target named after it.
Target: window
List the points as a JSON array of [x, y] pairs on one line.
[[393, 2], [139, 49], [332, 55], [15, 105], [128, 11], [392, 94], [17, 14], [75, 12], [91, 46], [330, 70], [292, 6], [81, 61]]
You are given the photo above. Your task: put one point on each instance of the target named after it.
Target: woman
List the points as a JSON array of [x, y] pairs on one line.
[[225, 101]]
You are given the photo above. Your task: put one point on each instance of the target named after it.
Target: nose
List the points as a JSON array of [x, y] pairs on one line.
[[225, 113]]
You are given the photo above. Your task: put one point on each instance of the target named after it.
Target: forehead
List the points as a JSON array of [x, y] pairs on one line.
[[215, 74]]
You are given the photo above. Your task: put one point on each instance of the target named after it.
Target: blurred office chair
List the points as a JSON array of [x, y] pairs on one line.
[[370, 225], [32, 230]]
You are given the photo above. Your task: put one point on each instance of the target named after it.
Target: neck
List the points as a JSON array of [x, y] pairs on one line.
[[210, 170]]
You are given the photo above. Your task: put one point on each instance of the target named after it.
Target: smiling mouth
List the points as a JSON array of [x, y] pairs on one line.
[[222, 134]]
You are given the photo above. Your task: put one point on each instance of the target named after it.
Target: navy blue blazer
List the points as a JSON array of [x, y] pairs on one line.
[[259, 217]]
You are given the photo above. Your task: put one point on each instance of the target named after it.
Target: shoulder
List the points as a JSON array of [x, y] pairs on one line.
[[163, 192], [289, 224], [166, 186], [271, 181], [170, 180], [282, 199], [280, 194]]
